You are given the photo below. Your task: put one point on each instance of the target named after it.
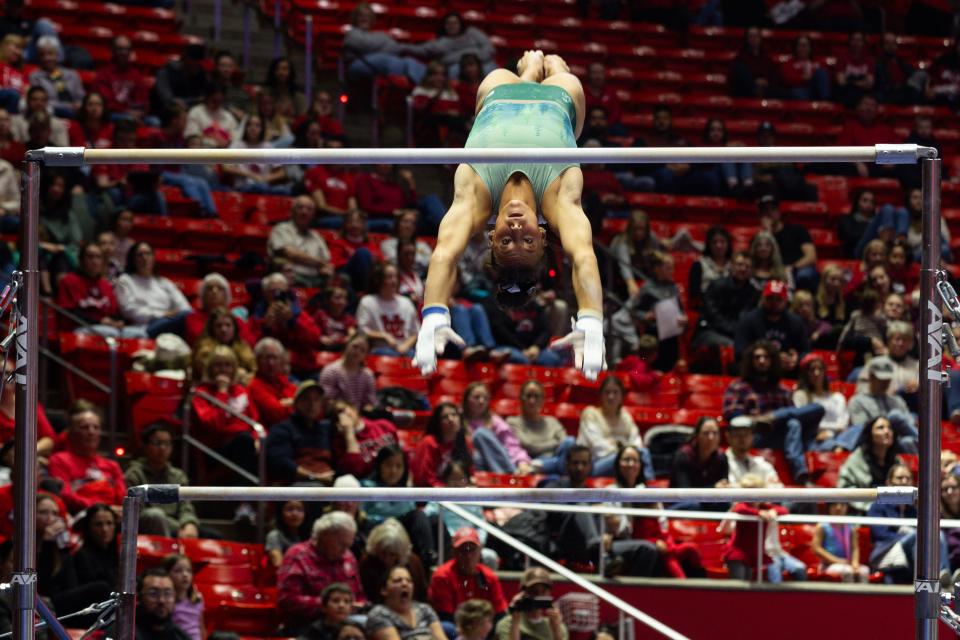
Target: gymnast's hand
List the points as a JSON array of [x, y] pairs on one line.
[[435, 334], [586, 340]]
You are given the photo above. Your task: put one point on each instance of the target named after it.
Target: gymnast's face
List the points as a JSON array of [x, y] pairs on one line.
[[516, 237]]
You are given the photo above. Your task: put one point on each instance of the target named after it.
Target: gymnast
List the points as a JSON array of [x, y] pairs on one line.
[[542, 107]]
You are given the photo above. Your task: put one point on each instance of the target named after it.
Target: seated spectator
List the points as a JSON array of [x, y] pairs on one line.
[[904, 276], [212, 121], [400, 615], [98, 558], [943, 83], [897, 82], [321, 111], [720, 178], [454, 39], [357, 440], [225, 74], [388, 546], [906, 368], [336, 603], [802, 77], [464, 578], [276, 126], [335, 324], [911, 227], [8, 411], [605, 428], [147, 300], [829, 306], [389, 319], [544, 623], [92, 126], [754, 74], [58, 81], [223, 329], [411, 284], [873, 460], [437, 119], [333, 189], [38, 101], [189, 607], [278, 314], [725, 302], [299, 448], [838, 547], [87, 476], [255, 177], [445, 440], [877, 401], [353, 252], [700, 464], [758, 396], [11, 152], [214, 293], [865, 127], [742, 553], [855, 71], [713, 264], [521, 334], [62, 209], [813, 387], [288, 530], [502, 453], [671, 177], [387, 190], [294, 243], [349, 379], [797, 250], [226, 433], [865, 330], [950, 508], [281, 83], [816, 330], [131, 186], [88, 295], [169, 520], [740, 460], [271, 389], [184, 81], [122, 85], [310, 566], [405, 229], [542, 437], [598, 94], [468, 83], [156, 600], [772, 321], [12, 72], [766, 261], [783, 179], [369, 53], [852, 228]]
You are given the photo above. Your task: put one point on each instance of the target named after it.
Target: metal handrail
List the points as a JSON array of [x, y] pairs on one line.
[[80, 373]]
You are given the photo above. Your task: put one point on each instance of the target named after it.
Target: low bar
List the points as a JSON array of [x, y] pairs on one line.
[[880, 154]]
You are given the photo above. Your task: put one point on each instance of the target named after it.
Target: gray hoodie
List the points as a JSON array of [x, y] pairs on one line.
[[451, 49]]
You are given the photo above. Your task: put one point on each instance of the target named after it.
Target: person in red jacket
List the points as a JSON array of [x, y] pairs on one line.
[[226, 433], [446, 440], [387, 189], [464, 578], [866, 128], [598, 94], [278, 315], [214, 293], [87, 476], [271, 390], [122, 85], [358, 439], [89, 296], [8, 408], [802, 77]]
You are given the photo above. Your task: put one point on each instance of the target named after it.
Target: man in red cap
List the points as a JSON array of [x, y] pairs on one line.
[[464, 578], [772, 321]]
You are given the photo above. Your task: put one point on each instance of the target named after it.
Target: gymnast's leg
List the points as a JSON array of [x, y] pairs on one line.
[[530, 69], [556, 72]]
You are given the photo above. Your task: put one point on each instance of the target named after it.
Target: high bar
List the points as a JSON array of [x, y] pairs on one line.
[[170, 493], [879, 154]]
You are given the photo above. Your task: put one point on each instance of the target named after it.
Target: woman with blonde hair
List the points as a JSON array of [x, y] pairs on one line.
[[223, 328], [829, 303], [767, 261], [388, 545]]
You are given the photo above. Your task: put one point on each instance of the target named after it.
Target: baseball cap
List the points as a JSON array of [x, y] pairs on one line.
[[768, 200], [741, 422], [534, 576], [775, 289], [766, 127], [465, 535], [881, 368], [306, 386], [348, 481]]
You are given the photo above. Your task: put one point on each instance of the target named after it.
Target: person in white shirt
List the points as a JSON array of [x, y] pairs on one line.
[[294, 242], [814, 387], [609, 426], [148, 300], [212, 121], [389, 319], [740, 461]]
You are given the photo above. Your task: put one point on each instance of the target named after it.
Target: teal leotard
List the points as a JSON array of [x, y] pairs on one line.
[[545, 118]]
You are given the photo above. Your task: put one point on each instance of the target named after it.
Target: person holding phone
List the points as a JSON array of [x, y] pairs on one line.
[[532, 614]]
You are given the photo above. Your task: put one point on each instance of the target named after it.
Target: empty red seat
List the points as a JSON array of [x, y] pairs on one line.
[[240, 608], [225, 574]]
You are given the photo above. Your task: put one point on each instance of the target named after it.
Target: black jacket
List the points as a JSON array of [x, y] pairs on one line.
[[726, 301], [787, 332]]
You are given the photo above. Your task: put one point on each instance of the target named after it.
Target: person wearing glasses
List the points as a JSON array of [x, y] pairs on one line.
[[542, 105], [155, 600]]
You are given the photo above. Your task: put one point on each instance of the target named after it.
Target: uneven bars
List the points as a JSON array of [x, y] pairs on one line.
[[171, 493], [879, 154]]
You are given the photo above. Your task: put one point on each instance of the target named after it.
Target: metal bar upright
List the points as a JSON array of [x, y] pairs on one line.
[[308, 61], [277, 29], [25, 439], [245, 56], [126, 609], [926, 584]]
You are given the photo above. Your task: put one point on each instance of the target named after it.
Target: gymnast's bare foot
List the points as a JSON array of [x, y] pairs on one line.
[[554, 64], [530, 67]]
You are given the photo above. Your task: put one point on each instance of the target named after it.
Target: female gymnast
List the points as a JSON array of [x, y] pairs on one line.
[[542, 107]]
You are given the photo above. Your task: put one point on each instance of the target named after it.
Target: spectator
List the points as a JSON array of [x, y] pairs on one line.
[[866, 128], [437, 119], [12, 72], [802, 77], [630, 252], [277, 314], [310, 566], [758, 396], [148, 300], [445, 440], [336, 603], [815, 329], [829, 305], [725, 302], [813, 387], [98, 558], [873, 461], [468, 83], [474, 619], [754, 74], [400, 615], [543, 623], [464, 578], [797, 250], [8, 411], [411, 284], [384, 192], [950, 508], [855, 71], [874, 254], [224, 74], [92, 126], [299, 448], [178, 519], [369, 53], [281, 82], [914, 209], [877, 401], [700, 463], [672, 177], [287, 531], [38, 101], [62, 209], [189, 607], [405, 229], [121, 83], [276, 127], [740, 461], [782, 179], [62, 84], [389, 320], [598, 94], [183, 81], [896, 80], [501, 453], [542, 437], [11, 152], [605, 428], [766, 261], [212, 121], [156, 600], [865, 330], [523, 334], [838, 547], [578, 534], [271, 389], [322, 112], [87, 476], [335, 324], [772, 321], [223, 329], [454, 39], [906, 368], [333, 189], [357, 439], [255, 177], [353, 252], [294, 242], [388, 546], [348, 378], [713, 264], [214, 293], [88, 295]]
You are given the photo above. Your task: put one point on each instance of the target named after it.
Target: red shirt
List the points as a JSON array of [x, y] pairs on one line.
[[303, 575], [380, 198], [427, 460], [743, 544], [342, 249], [11, 78], [101, 138], [792, 72], [449, 588], [266, 396], [87, 479], [196, 320], [215, 427], [13, 152], [44, 428], [375, 435], [855, 133], [336, 329], [608, 100], [122, 90], [90, 298], [338, 185], [301, 338]]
